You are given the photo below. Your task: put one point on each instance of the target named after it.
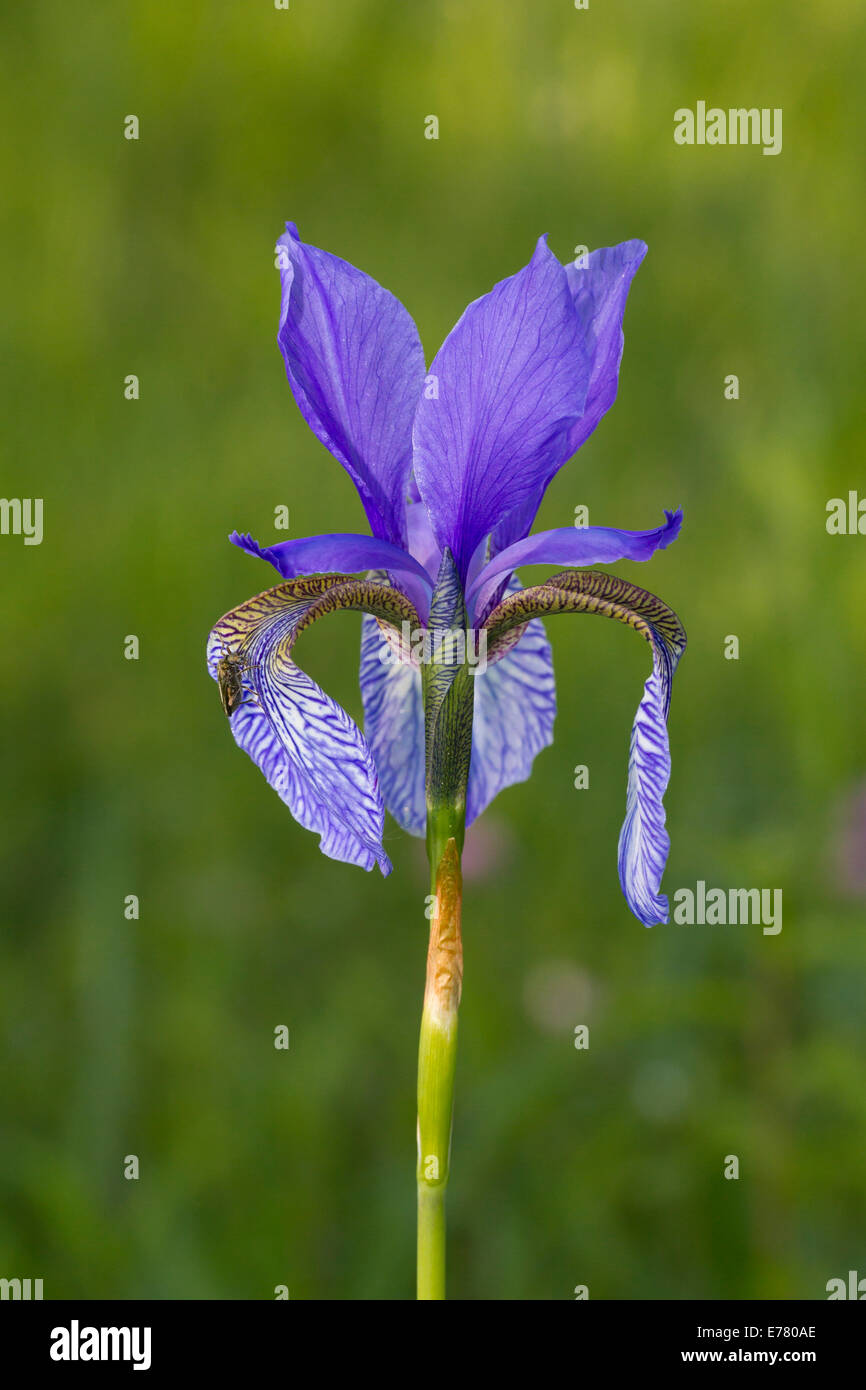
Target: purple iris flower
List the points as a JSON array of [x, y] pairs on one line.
[[451, 465]]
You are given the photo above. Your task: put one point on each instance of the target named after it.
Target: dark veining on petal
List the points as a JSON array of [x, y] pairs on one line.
[[590, 591]]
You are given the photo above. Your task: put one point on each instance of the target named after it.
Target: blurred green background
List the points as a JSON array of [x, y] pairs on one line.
[[155, 1037]]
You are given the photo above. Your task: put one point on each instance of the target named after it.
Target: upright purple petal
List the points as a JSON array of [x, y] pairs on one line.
[[394, 727], [571, 545], [599, 290], [512, 378], [422, 543], [515, 707], [518, 522], [356, 368], [344, 553]]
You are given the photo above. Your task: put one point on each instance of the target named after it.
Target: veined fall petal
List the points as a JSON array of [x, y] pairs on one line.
[[644, 842], [314, 756], [513, 716]]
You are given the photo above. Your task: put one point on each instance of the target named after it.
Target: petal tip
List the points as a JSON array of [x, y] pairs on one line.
[[659, 915], [246, 542], [672, 528], [650, 909]]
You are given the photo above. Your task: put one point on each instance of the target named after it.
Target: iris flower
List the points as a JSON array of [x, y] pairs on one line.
[[451, 465]]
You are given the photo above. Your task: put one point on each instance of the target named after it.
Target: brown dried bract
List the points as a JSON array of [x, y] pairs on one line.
[[445, 953]]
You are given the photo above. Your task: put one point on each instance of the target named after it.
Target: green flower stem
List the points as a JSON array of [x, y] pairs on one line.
[[448, 689], [437, 1056]]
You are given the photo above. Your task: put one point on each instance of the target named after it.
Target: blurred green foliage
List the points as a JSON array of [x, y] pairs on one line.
[[155, 1037]]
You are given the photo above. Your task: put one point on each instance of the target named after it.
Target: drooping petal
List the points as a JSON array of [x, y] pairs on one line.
[[512, 378], [348, 819], [356, 368], [570, 545], [344, 553], [599, 286], [515, 708], [394, 727], [644, 841], [311, 752]]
